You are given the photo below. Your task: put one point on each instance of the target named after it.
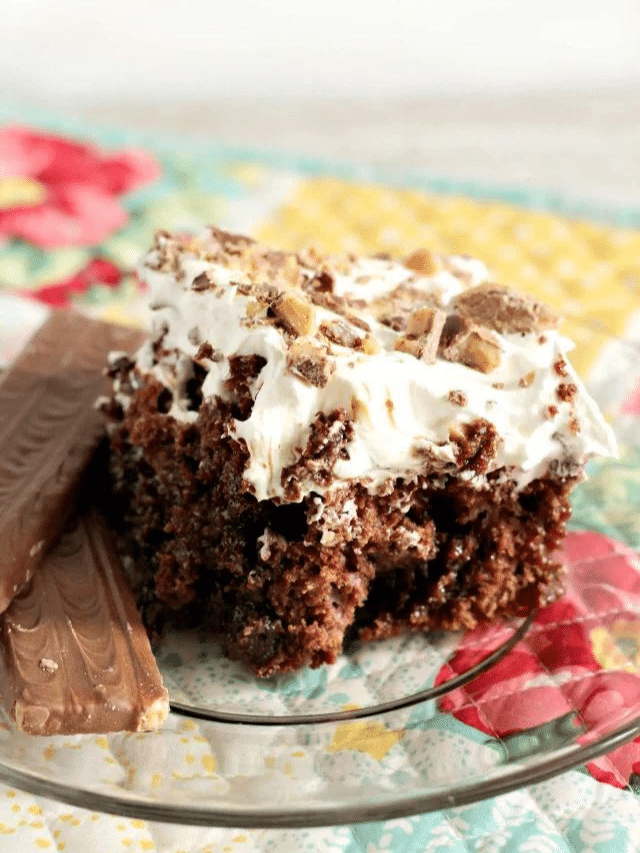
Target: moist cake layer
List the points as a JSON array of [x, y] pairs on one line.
[[311, 449]]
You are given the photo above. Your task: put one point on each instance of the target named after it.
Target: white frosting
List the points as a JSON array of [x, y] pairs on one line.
[[403, 411]]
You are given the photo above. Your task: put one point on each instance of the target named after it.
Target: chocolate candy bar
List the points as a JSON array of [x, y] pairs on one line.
[[49, 429], [74, 655]]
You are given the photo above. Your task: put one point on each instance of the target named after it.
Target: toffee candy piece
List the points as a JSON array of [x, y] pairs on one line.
[[74, 655], [49, 429]]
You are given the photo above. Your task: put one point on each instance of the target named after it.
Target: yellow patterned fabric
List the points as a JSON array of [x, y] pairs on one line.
[[589, 272]]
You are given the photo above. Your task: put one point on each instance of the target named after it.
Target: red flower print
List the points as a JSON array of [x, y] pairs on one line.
[[57, 192], [97, 271], [631, 405], [579, 662]]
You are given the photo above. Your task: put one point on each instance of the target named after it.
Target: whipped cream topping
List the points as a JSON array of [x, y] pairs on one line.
[[405, 411]]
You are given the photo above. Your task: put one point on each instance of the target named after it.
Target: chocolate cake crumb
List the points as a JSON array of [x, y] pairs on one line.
[[323, 281], [477, 445], [566, 391], [328, 440], [243, 371], [560, 367], [119, 365], [551, 411], [207, 352]]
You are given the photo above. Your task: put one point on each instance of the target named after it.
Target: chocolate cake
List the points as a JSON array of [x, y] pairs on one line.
[[312, 450]]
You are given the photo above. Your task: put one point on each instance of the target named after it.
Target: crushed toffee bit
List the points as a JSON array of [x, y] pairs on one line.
[[423, 320], [256, 312], [458, 398], [340, 305], [504, 310], [574, 425], [370, 345], [389, 406], [309, 362], [421, 261], [412, 346], [527, 380], [450, 264], [357, 321], [551, 411], [560, 367], [168, 249], [464, 342], [341, 333], [480, 352], [328, 300], [424, 328], [566, 391], [294, 313], [359, 410], [262, 291], [201, 282], [232, 243], [542, 339], [422, 348], [497, 385]]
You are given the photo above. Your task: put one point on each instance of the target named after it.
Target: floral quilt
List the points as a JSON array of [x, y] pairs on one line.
[[77, 208]]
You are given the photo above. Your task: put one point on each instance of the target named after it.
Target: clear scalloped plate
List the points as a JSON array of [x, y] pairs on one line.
[[400, 727]]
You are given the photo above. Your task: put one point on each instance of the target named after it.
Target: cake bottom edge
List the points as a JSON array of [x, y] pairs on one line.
[[286, 585]]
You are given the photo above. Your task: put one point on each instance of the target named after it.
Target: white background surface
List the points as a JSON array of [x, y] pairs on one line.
[[537, 94], [95, 50]]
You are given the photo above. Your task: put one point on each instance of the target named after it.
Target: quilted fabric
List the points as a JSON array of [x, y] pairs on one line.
[[76, 210]]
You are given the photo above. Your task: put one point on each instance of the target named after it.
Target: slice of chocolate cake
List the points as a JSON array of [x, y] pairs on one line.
[[313, 448]]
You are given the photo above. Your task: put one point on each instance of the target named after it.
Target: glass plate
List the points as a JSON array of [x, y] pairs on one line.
[[405, 726]]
